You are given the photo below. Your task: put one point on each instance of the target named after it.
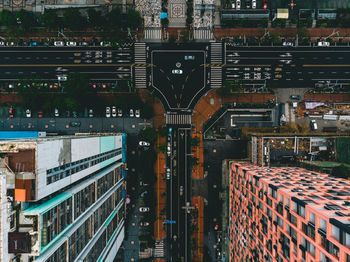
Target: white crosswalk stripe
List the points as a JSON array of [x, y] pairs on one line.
[[159, 249], [216, 58], [206, 34], [178, 119], [152, 33], [140, 72]]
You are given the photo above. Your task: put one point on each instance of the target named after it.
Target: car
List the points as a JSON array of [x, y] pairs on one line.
[[323, 43], [120, 112], [28, 113], [167, 173], [287, 44], [233, 5], [265, 5], [84, 43], [71, 43], [254, 4], [144, 143], [10, 43], [297, 97], [40, 113], [131, 113], [238, 4], [58, 43], [33, 44], [57, 114], [2, 43], [108, 111], [11, 86], [189, 57], [137, 112], [62, 78], [181, 190], [74, 113], [74, 123], [114, 111], [91, 112], [11, 112], [67, 113], [144, 209], [177, 71], [313, 125], [105, 43], [144, 224]]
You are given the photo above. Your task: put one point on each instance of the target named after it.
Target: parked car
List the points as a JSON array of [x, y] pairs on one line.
[[2, 43], [120, 112], [177, 71], [131, 113], [313, 125], [105, 43], [144, 209], [74, 123], [75, 114], [40, 113], [144, 143], [114, 111], [144, 224], [57, 114], [181, 190], [323, 43], [238, 4], [28, 113], [137, 113], [297, 97], [71, 43], [265, 5], [108, 111], [287, 44], [84, 43], [58, 43], [62, 78], [254, 4], [168, 173], [91, 113]]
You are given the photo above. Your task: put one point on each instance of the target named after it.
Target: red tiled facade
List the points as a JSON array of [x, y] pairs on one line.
[[288, 214]]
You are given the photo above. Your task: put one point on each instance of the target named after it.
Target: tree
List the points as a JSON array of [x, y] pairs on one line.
[[114, 18], [193, 161], [149, 134], [162, 148], [72, 104], [226, 88], [134, 18], [147, 111], [195, 141], [49, 18], [275, 38], [303, 32], [77, 87], [172, 39], [73, 19], [24, 19], [341, 171], [163, 131], [95, 18], [8, 18]]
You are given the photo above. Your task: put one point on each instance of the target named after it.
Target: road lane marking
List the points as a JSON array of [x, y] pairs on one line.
[[57, 65], [335, 65]]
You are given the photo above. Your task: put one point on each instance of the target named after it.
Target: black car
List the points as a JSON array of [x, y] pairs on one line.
[[74, 124]]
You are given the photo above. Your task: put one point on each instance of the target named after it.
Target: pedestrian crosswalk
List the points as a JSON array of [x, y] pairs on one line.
[[216, 58], [140, 72], [178, 119], [159, 249], [152, 34], [204, 34]]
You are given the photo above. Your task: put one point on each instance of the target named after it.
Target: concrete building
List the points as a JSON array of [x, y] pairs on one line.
[[62, 198], [288, 214]]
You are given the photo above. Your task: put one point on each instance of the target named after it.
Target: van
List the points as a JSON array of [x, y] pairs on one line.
[[313, 125], [58, 43]]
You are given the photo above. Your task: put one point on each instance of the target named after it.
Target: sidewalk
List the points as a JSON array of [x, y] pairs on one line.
[[160, 188], [327, 97], [198, 233], [197, 171]]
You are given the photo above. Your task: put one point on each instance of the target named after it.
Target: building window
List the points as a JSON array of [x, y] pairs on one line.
[[323, 224], [312, 218], [335, 232]]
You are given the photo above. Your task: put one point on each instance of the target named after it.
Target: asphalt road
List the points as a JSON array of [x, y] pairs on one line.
[[287, 67], [47, 63], [178, 233], [182, 90]]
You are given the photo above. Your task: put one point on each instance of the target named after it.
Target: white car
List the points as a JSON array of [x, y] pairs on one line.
[[62, 78], [105, 43], [144, 209], [238, 4], [28, 113], [177, 71], [57, 114], [131, 113], [137, 112], [144, 224], [2, 43], [108, 111], [168, 173], [254, 4], [120, 112], [323, 43], [114, 111], [58, 43], [144, 143], [71, 43], [287, 44], [233, 5]]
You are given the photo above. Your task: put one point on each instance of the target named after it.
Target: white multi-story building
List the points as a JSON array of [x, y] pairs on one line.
[[62, 198]]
